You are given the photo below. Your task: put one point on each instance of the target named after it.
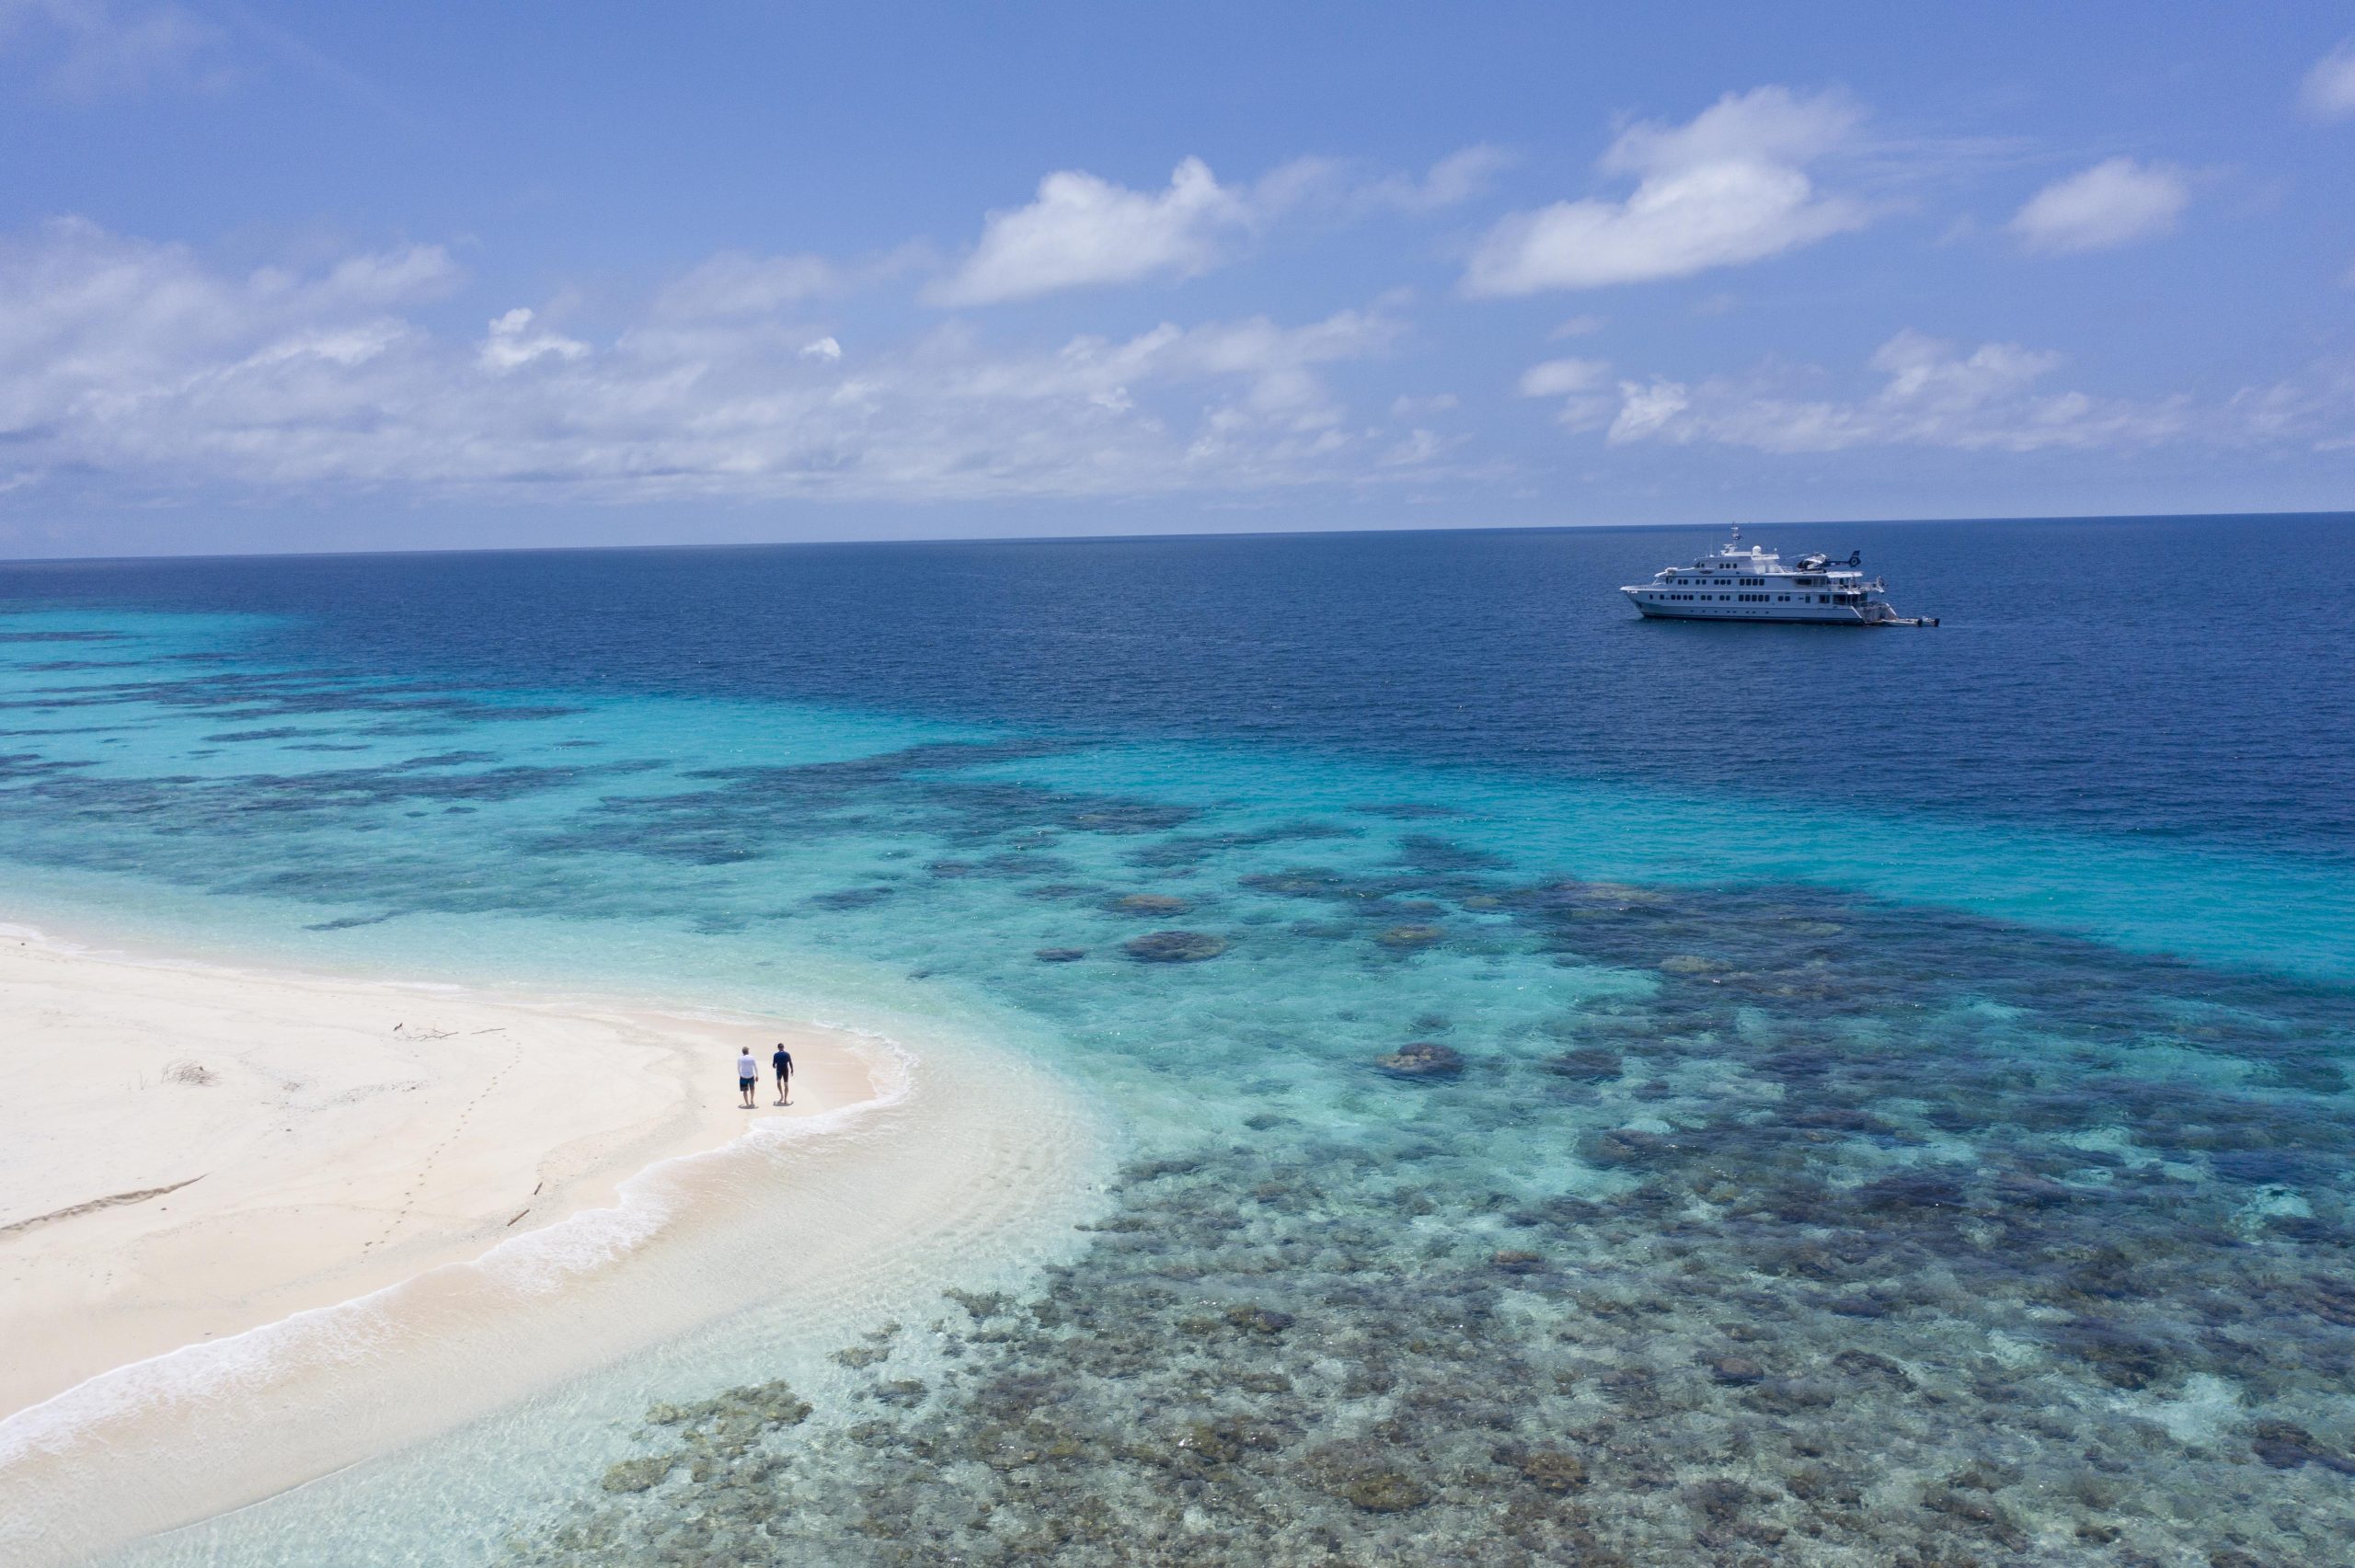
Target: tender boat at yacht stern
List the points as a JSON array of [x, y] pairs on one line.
[[1735, 584]]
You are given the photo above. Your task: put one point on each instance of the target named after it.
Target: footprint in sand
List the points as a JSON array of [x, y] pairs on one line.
[[409, 1198]]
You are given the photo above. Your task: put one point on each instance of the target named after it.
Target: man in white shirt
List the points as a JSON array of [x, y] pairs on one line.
[[748, 1076]]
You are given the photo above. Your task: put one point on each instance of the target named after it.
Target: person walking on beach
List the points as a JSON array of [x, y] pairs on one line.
[[748, 1075], [782, 1062]]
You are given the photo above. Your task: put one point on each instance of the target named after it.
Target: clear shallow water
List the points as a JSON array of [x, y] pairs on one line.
[[1900, 1107]]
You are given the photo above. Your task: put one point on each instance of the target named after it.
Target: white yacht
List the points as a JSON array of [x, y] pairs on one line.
[[1737, 584]]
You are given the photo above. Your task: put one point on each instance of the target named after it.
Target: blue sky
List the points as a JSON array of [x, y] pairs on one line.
[[277, 276]]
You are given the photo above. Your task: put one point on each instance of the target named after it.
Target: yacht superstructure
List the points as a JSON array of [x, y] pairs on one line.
[[1736, 584]]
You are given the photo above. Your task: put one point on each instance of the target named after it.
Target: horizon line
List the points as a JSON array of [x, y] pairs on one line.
[[1176, 536]]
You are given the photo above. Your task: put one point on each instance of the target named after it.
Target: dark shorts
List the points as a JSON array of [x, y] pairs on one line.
[[746, 1083]]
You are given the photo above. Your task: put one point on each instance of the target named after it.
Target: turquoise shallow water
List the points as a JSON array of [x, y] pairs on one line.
[[1586, 1090]]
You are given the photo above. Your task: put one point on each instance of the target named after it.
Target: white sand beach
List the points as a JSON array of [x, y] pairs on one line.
[[187, 1152], [376, 1210]]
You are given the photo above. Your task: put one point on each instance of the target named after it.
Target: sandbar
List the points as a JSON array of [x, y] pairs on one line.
[[189, 1151], [269, 1228]]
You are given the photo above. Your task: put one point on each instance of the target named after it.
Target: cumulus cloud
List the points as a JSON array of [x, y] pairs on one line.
[[1729, 188], [1933, 393], [2328, 92], [92, 48], [1081, 230], [133, 367], [97, 325], [2115, 202]]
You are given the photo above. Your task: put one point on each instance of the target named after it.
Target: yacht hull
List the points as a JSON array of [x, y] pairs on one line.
[[1812, 614]]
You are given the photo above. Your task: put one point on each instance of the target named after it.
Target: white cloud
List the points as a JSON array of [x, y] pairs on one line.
[[1453, 180], [95, 324], [1081, 230], [2115, 202], [1580, 384], [2315, 408], [823, 349], [1275, 366], [1409, 407], [1417, 448], [1555, 378], [512, 343], [1932, 393], [735, 284], [2328, 91], [1646, 411], [1578, 326], [132, 370], [1729, 188], [92, 48]]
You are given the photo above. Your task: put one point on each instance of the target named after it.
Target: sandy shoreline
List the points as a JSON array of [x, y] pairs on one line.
[[187, 1152], [360, 1262]]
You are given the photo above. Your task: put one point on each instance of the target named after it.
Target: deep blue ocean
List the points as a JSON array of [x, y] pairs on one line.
[[1591, 1089]]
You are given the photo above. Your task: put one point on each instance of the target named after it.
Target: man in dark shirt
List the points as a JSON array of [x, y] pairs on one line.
[[782, 1063]]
